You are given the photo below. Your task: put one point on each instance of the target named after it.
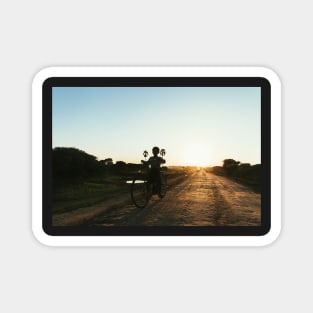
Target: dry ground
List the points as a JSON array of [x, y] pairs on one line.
[[203, 199]]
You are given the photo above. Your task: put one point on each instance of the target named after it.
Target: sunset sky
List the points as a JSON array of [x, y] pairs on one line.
[[196, 125]]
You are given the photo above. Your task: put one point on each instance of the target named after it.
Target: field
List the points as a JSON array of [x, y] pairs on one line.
[[80, 180], [72, 194]]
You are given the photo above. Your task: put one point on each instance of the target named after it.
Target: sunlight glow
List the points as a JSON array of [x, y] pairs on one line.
[[196, 154]]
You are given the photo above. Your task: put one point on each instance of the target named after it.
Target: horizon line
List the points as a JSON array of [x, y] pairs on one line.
[[168, 165]]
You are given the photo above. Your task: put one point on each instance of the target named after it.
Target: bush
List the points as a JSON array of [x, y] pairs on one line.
[[230, 166], [69, 163]]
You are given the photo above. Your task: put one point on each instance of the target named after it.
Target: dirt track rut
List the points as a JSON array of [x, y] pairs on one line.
[[203, 199]]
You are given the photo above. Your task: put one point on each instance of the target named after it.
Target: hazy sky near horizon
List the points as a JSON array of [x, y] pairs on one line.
[[196, 125]]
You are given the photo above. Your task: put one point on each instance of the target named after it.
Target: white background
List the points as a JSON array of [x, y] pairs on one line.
[[37, 34]]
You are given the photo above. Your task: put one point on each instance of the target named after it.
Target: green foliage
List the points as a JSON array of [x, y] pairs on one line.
[[244, 173], [218, 170], [120, 167], [73, 163], [72, 195], [69, 195], [79, 179], [230, 166], [243, 169], [107, 162]]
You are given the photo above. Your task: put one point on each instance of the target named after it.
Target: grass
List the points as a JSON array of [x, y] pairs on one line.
[[71, 195], [251, 183]]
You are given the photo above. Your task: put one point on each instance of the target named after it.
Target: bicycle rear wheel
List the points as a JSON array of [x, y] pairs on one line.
[[163, 187], [139, 193]]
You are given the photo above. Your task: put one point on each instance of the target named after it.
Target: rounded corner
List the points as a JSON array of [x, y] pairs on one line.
[[271, 236], [41, 236], [270, 75], [41, 73], [42, 76]]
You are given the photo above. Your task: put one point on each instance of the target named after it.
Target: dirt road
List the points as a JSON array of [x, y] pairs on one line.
[[203, 199]]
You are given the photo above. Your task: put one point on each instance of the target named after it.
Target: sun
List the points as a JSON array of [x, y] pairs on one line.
[[196, 154]]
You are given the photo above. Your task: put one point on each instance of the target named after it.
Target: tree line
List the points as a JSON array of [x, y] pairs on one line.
[[242, 172], [72, 163]]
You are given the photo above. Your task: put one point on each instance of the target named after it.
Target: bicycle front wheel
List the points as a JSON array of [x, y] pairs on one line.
[[139, 193]]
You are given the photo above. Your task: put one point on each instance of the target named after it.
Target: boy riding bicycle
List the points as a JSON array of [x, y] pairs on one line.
[[154, 163]]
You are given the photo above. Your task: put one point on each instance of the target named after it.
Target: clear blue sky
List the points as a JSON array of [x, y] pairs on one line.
[[196, 125]]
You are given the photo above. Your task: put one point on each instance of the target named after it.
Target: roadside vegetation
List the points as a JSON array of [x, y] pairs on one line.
[[243, 173], [80, 180]]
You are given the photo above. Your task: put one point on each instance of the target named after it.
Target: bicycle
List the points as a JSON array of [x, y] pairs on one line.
[[142, 191]]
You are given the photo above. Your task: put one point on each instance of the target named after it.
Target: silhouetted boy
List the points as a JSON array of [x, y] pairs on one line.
[[155, 167]]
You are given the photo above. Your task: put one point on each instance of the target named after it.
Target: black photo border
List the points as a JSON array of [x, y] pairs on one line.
[[261, 82]]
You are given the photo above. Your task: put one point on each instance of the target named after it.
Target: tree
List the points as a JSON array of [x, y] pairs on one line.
[[243, 170], [108, 161], [73, 163], [120, 166], [230, 166]]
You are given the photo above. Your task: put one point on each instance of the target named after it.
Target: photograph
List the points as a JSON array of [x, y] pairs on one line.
[[156, 156]]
